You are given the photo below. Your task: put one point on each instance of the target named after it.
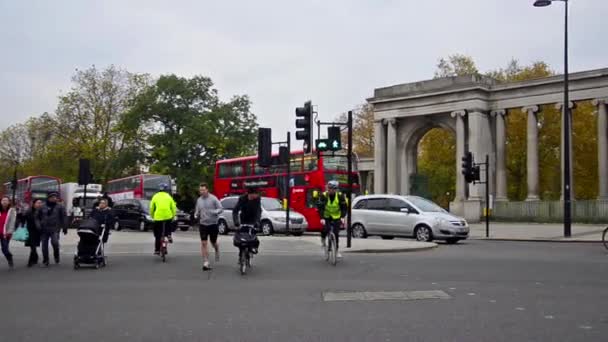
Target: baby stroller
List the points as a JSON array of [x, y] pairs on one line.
[[90, 250]]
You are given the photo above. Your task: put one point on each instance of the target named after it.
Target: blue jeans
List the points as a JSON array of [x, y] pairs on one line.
[[7, 253], [44, 239]]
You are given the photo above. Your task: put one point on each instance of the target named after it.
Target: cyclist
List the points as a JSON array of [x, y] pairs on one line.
[[248, 210], [163, 211], [332, 209]]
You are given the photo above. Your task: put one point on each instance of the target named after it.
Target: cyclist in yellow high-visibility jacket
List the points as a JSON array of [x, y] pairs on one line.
[[332, 207], [162, 210]]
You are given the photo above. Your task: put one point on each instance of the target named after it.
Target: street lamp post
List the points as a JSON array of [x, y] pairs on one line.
[[565, 123]]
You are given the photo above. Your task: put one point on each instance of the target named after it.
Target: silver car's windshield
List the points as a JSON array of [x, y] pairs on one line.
[[425, 205]]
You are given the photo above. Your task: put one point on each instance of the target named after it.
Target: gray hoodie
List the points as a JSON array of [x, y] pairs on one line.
[[208, 210]]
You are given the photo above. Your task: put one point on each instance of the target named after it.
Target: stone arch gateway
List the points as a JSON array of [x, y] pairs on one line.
[[474, 109]]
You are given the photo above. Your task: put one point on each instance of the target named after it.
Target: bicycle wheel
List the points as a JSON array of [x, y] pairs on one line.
[[605, 238], [242, 262], [333, 251], [163, 251]]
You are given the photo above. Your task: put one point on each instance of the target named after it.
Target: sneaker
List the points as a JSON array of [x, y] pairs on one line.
[[11, 264], [339, 255], [206, 266], [45, 264], [57, 260]]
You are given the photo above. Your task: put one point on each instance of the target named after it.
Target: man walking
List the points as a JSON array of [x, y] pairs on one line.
[[207, 211], [54, 219]]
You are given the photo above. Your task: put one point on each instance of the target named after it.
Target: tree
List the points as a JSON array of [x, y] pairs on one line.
[[187, 129], [363, 130], [436, 160], [456, 65]]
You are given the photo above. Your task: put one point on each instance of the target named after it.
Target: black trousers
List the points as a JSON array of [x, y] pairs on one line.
[[332, 225], [159, 227]]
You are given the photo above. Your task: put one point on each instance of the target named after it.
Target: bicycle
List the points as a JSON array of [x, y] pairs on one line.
[[163, 245], [605, 237], [245, 249], [331, 249]]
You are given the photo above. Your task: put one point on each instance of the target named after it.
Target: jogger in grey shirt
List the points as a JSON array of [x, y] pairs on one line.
[[207, 212]]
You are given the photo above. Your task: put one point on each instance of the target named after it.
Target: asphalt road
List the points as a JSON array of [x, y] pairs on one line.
[[498, 291]]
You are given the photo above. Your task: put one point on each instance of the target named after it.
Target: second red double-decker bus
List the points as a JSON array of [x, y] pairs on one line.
[[142, 186], [31, 188], [309, 174]]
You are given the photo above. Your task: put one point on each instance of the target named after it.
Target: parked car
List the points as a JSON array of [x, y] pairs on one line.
[[272, 221], [132, 213], [183, 220], [406, 216]]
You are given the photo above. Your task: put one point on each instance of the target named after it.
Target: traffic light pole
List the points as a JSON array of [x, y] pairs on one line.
[[349, 232], [288, 184], [487, 165]]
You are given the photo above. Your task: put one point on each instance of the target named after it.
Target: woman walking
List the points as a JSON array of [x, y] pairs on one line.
[[8, 220], [33, 219]]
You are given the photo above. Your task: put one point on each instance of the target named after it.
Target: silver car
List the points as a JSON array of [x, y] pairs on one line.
[[407, 216], [272, 221]]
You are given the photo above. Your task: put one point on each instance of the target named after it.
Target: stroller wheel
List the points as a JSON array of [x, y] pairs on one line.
[[76, 265], [97, 265], [103, 262]]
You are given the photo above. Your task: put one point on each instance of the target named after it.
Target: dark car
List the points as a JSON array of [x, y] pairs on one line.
[[133, 214], [183, 220]]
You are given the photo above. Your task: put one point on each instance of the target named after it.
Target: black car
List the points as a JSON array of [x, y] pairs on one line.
[[133, 213], [183, 220]]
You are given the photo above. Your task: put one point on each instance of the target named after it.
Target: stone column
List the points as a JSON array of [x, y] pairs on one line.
[[532, 153], [559, 106], [461, 194], [501, 169], [391, 158], [480, 144], [379, 157], [602, 147]]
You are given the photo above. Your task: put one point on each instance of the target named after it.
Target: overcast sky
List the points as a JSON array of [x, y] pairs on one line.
[[280, 52]]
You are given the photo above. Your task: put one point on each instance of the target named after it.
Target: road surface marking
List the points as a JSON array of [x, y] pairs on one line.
[[383, 295]]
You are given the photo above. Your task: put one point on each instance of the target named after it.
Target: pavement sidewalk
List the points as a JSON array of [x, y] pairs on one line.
[[553, 232]]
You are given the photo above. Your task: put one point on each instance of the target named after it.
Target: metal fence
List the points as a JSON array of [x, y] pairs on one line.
[[550, 211]]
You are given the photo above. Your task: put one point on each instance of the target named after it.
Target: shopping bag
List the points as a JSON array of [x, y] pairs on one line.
[[21, 234]]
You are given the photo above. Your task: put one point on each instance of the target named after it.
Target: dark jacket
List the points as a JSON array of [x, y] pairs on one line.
[[105, 217], [341, 200], [54, 218], [33, 220], [247, 211]]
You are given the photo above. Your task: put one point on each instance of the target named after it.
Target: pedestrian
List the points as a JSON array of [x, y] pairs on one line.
[[54, 219], [108, 199], [105, 217], [33, 220], [8, 221], [207, 211]]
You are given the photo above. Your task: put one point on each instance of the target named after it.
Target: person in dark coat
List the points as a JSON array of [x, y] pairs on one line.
[[33, 220], [54, 220], [104, 216]]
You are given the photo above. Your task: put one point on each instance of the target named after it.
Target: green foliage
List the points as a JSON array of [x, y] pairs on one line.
[[187, 129], [436, 160]]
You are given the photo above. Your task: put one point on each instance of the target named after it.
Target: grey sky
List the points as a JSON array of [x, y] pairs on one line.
[[280, 52]]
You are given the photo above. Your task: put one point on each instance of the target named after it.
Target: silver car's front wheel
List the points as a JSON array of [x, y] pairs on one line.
[[424, 233], [267, 228], [358, 231]]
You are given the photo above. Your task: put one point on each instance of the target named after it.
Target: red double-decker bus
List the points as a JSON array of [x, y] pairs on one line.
[[31, 188], [309, 174], [142, 186]]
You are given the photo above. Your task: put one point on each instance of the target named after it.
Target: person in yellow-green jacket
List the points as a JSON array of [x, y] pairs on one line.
[[163, 211]]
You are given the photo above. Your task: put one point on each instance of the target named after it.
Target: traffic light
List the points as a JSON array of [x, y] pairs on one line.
[[304, 123], [467, 167], [334, 139], [322, 145], [283, 155], [264, 147], [84, 172]]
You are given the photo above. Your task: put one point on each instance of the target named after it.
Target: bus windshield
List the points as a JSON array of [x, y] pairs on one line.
[[153, 182], [44, 184]]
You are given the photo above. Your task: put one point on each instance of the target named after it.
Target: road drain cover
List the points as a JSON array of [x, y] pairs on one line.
[[383, 295]]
